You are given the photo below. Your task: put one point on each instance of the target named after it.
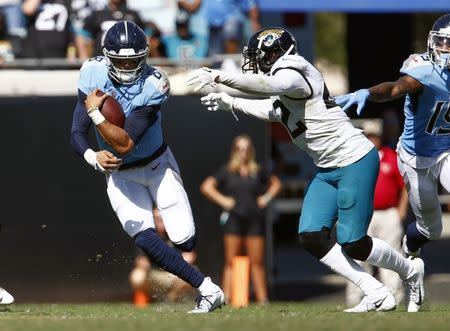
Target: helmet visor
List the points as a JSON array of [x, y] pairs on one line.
[[441, 43], [126, 64]]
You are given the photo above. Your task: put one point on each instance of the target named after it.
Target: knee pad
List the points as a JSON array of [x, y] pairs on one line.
[[360, 249], [318, 243], [188, 245], [346, 198]]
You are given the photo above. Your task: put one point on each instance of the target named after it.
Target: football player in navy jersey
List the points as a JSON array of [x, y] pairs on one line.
[[89, 39], [49, 29], [424, 147], [140, 169], [342, 191]]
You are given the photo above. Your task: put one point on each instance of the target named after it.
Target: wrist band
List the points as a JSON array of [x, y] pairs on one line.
[[96, 115]]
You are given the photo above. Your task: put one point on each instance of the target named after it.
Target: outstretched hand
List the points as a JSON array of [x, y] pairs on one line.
[[203, 76], [218, 101], [359, 97]]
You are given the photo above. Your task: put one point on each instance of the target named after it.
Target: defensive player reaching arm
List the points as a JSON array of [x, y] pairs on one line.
[[424, 146], [343, 188], [140, 169]]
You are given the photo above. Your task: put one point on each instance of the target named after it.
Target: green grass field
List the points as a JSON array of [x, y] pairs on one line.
[[275, 316]]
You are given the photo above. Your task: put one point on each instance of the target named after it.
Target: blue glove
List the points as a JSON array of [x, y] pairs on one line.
[[359, 97]]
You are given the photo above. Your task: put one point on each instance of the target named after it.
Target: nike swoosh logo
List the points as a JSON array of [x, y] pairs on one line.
[[378, 305], [156, 166], [419, 301]]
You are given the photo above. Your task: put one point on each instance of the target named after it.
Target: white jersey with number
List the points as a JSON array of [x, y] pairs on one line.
[[316, 124], [300, 100]]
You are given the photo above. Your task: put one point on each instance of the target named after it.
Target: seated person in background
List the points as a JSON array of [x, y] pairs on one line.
[[47, 38], [89, 39], [226, 20], [156, 46], [184, 45], [6, 52], [148, 281]]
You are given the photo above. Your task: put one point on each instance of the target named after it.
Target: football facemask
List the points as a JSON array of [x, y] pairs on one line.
[[124, 68]]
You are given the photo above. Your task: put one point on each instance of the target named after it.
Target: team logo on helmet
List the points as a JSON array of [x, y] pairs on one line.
[[267, 37]]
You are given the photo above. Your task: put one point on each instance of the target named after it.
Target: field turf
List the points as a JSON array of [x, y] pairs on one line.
[[170, 317]]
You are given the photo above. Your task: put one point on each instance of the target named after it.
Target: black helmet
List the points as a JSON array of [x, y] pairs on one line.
[[125, 46], [265, 47], [439, 42]]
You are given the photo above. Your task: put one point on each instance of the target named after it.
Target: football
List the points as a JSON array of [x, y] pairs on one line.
[[112, 110]]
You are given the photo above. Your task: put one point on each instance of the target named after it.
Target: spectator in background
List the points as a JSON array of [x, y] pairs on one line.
[[390, 210], [49, 30], [156, 46], [6, 52], [184, 45], [226, 23], [196, 10], [243, 190], [82, 9], [89, 39], [15, 23]]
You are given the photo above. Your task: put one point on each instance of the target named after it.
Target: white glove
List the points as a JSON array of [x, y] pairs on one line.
[[218, 101], [203, 76]]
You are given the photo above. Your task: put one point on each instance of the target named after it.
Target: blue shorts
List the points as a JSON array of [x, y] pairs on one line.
[[342, 195]]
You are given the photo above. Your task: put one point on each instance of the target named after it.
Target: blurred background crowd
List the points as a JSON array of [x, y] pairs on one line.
[[180, 30]]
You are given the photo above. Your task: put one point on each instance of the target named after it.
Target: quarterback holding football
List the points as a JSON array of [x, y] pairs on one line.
[[141, 171]]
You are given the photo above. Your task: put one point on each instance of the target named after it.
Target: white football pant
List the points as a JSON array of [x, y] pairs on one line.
[[422, 185], [132, 193]]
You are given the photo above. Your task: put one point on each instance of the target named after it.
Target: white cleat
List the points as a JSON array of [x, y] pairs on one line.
[[5, 297], [415, 292], [207, 303], [385, 302], [406, 251]]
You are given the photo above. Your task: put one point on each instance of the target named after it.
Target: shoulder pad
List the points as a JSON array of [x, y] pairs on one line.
[[415, 61], [292, 61], [157, 85], [159, 80], [94, 62]]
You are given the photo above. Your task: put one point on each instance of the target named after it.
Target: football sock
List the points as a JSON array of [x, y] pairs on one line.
[[167, 257], [384, 256], [414, 239], [339, 262]]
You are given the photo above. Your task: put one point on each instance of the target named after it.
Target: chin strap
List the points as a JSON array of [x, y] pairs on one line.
[[444, 60]]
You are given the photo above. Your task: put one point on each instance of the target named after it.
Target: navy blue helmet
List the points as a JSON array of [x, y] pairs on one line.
[[439, 42], [265, 47], [126, 48]]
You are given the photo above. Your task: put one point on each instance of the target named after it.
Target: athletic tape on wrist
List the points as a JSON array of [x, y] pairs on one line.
[[96, 115]]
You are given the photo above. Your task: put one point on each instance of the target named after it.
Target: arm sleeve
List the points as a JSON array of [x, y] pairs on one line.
[[80, 126], [262, 109], [140, 120], [285, 81]]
